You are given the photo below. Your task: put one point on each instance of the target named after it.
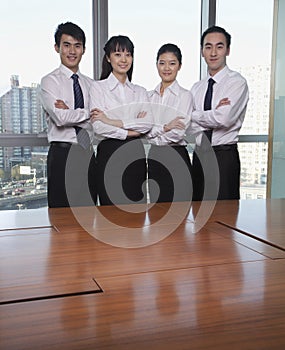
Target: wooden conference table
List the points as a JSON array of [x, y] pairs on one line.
[[208, 276]]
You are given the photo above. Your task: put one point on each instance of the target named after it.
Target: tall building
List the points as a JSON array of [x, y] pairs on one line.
[[254, 155], [21, 113]]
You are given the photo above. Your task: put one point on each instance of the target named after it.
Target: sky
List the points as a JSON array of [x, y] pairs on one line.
[[27, 29], [27, 37]]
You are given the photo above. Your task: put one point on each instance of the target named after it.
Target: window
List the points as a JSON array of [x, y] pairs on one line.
[[26, 34], [27, 30], [250, 25], [277, 188], [24, 185], [27, 37], [150, 24]]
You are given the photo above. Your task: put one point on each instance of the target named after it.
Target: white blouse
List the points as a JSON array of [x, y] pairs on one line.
[[123, 102], [175, 102]]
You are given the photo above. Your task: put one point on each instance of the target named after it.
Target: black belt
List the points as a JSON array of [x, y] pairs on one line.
[[61, 144], [68, 145], [225, 147], [169, 145]]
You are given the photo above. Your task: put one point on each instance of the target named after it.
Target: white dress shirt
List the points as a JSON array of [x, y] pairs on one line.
[[226, 120], [58, 85], [123, 102], [175, 102]]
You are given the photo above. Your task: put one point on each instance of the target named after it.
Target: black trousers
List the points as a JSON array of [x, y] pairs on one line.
[[121, 172], [71, 176], [223, 183], [169, 174]]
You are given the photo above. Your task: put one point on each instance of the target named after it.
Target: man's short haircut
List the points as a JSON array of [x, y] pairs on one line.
[[71, 29], [216, 29]]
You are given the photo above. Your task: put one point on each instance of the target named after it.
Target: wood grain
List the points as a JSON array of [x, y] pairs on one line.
[[66, 284]]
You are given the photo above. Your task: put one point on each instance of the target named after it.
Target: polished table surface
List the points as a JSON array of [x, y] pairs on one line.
[[165, 276]]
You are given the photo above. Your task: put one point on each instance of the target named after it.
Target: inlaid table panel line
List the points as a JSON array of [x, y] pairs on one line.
[[263, 219], [27, 231], [32, 264], [10, 219], [238, 306], [256, 237], [251, 242]]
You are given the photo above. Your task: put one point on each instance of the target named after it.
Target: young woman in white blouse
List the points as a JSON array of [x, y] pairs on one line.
[[169, 167], [120, 115]]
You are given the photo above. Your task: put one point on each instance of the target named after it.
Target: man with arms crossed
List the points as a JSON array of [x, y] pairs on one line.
[[220, 102], [64, 96]]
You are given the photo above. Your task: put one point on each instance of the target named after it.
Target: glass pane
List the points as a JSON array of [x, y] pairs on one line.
[[253, 157], [250, 25], [27, 38], [150, 24], [23, 182], [278, 156]]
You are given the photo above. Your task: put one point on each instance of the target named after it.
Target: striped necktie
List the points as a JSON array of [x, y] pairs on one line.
[[82, 135]]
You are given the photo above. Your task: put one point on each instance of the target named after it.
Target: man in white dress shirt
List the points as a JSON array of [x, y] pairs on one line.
[[70, 162], [217, 121]]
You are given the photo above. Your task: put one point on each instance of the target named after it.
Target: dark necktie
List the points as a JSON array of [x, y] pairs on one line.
[[208, 105], [82, 135]]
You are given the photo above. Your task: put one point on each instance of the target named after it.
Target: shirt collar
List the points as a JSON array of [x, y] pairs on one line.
[[67, 72], [220, 75], [173, 88], [113, 82]]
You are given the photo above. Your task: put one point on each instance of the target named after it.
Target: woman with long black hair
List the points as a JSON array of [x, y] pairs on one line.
[[120, 113]]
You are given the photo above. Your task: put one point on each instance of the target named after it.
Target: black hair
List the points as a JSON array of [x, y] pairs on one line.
[[170, 48], [116, 43], [216, 29], [71, 29]]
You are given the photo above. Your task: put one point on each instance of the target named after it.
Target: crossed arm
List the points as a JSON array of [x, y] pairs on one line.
[[97, 115], [60, 104]]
